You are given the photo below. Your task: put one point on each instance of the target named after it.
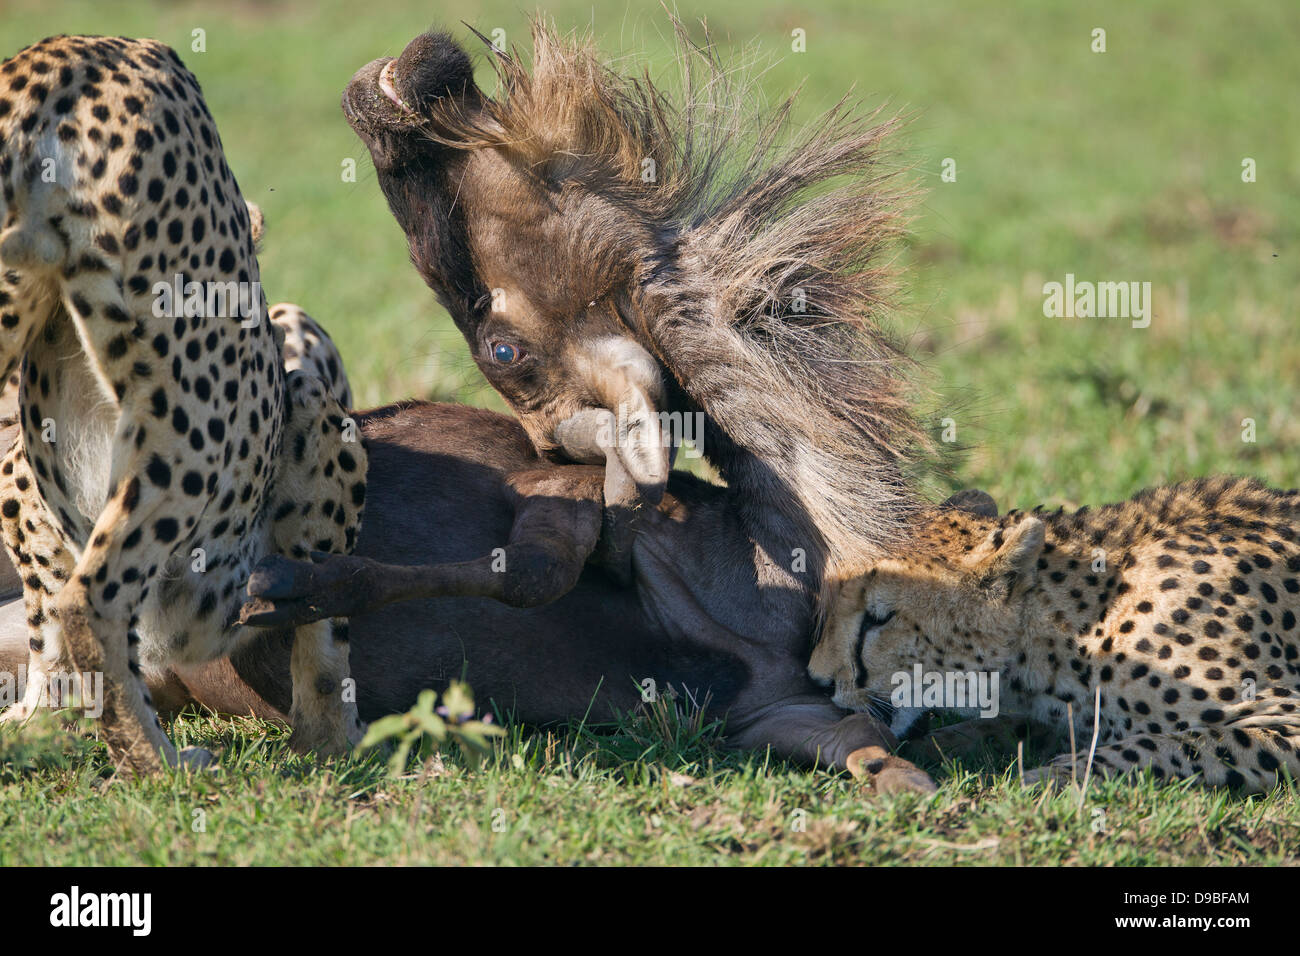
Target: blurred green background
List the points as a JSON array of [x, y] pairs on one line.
[[1114, 166]]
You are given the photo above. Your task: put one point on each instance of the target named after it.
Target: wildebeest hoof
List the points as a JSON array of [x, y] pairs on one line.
[[196, 758], [886, 773], [278, 577], [904, 778], [289, 593], [322, 745]]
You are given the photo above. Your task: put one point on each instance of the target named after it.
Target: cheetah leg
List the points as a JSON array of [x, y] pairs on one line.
[[317, 502], [324, 712], [93, 615], [44, 660], [307, 346], [98, 645], [1247, 758], [30, 251], [84, 628], [37, 551], [972, 737], [48, 668]]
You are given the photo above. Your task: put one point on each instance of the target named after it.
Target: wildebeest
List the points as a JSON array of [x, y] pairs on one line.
[[612, 259]]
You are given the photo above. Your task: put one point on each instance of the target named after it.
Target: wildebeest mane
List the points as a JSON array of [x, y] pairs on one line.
[[774, 243]]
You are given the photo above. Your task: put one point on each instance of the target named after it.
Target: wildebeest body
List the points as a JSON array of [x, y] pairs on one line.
[[441, 499]]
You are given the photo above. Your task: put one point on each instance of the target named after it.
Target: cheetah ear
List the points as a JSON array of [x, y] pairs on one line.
[[973, 501], [1014, 558], [256, 224]]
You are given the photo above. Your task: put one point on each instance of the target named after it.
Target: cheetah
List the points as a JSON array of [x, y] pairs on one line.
[[163, 449], [307, 346], [1179, 606]]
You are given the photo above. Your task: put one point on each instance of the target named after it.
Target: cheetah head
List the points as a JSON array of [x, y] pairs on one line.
[[947, 601]]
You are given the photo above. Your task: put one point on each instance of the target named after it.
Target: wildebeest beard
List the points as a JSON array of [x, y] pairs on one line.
[[602, 245]]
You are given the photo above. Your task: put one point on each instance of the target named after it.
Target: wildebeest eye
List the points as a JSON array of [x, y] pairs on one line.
[[503, 353]]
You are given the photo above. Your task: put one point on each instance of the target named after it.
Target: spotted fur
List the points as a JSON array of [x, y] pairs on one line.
[[161, 455], [1180, 604], [307, 346]]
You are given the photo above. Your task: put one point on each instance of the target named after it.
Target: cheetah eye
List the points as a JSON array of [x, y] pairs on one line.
[[503, 353], [872, 620]]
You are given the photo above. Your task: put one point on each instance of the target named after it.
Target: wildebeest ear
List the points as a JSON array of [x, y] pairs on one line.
[[974, 501]]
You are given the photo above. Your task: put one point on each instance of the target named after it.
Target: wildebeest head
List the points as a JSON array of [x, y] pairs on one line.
[[530, 247], [602, 247]]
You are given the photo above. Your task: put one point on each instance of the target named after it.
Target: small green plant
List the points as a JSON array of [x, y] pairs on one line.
[[453, 722]]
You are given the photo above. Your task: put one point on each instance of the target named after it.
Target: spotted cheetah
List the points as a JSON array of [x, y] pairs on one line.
[[163, 449], [1179, 605], [307, 346]]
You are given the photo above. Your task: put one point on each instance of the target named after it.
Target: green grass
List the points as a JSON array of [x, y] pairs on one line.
[[1114, 166], [643, 792]]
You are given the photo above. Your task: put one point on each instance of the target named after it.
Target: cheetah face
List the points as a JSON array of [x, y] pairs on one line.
[[872, 631], [945, 602]]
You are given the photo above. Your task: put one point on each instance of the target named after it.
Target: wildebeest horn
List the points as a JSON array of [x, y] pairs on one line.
[[597, 436], [588, 438], [627, 382]]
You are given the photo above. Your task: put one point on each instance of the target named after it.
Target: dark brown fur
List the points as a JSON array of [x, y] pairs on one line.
[[584, 611]]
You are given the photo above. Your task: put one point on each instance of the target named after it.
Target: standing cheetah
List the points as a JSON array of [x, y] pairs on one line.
[[1179, 604], [163, 449]]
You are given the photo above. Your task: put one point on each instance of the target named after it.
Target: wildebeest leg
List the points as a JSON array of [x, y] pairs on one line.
[[809, 730], [591, 437], [558, 515], [214, 685]]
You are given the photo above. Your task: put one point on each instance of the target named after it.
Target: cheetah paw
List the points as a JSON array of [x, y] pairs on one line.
[[15, 713], [1052, 778], [886, 773]]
